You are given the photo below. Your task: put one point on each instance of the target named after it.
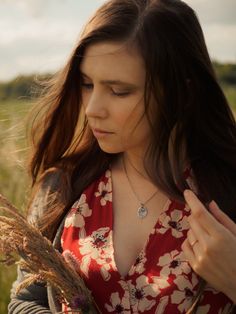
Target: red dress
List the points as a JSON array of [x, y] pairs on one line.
[[159, 281]]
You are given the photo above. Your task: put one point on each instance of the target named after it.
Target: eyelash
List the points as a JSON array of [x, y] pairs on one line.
[[90, 86]]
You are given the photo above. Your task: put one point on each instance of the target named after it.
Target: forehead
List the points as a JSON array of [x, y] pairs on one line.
[[113, 60]]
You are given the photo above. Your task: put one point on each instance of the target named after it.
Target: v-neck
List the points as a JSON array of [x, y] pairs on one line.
[[147, 241]]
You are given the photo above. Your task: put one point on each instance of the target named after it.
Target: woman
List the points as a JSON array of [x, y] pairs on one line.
[[115, 195]]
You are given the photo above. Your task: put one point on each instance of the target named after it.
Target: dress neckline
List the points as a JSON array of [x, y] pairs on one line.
[[147, 241]]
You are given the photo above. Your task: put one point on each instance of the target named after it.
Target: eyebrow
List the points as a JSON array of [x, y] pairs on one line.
[[112, 82]]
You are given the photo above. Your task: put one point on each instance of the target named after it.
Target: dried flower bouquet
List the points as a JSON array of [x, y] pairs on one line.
[[42, 261]]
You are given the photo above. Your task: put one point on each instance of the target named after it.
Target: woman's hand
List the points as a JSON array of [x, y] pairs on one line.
[[210, 246]]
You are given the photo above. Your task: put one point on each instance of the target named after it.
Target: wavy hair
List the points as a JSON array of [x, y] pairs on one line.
[[191, 110]]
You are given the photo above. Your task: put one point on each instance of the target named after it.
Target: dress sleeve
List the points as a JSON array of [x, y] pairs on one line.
[[33, 299]]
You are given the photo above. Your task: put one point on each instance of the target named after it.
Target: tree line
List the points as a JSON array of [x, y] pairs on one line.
[[26, 87], [23, 87]]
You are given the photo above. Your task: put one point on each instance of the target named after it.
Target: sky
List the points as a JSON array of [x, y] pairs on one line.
[[37, 36]]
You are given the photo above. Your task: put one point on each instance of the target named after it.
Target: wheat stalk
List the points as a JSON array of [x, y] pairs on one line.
[[42, 261]]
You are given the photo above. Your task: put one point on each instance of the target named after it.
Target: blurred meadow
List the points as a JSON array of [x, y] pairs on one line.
[[14, 182]]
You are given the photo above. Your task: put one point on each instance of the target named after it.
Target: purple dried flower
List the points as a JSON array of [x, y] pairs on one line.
[[80, 302]]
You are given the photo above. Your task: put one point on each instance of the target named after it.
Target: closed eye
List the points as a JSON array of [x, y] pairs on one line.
[[89, 86], [121, 94]]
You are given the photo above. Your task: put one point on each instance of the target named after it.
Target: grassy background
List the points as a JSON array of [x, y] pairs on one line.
[[14, 183], [230, 92]]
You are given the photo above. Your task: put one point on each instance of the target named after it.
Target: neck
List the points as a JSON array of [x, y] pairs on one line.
[[135, 165]]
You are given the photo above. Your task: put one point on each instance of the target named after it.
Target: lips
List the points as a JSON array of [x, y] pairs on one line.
[[101, 134], [102, 131]]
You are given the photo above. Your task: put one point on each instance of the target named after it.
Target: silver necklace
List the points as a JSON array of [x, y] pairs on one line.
[[139, 172], [142, 210]]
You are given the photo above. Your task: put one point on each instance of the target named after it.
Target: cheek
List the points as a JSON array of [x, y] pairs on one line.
[[123, 119], [136, 131], [130, 116], [143, 130], [84, 97], [128, 111]]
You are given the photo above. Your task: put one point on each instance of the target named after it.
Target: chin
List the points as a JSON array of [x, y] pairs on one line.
[[110, 149]]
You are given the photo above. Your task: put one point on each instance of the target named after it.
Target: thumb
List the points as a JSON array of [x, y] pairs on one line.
[[221, 217]]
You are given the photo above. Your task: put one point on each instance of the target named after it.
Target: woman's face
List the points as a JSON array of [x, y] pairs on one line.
[[113, 97]]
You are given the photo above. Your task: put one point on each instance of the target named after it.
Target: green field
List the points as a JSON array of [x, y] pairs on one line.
[[14, 182], [230, 92], [13, 178]]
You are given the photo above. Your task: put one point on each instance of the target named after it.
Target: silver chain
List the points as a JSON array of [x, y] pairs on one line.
[[141, 203], [139, 172]]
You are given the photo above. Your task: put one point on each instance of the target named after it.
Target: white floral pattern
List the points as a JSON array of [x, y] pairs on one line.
[[105, 190], [159, 282], [97, 247], [72, 260], [161, 305], [75, 218], [176, 222], [141, 292], [173, 263], [139, 265], [185, 293], [118, 305]]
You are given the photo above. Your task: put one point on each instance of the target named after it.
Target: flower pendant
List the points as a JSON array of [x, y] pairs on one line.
[[142, 211]]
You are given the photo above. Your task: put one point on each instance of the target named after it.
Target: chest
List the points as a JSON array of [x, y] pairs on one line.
[[131, 233], [129, 237]]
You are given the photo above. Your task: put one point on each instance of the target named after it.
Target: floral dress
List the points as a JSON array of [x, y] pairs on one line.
[[159, 281]]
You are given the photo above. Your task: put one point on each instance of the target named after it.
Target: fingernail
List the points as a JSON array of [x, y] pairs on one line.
[[214, 203], [187, 193]]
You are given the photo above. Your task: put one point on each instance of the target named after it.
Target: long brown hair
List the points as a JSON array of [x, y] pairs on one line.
[[189, 101]]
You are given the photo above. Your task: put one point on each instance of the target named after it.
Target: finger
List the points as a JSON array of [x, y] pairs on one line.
[[222, 217], [191, 237], [196, 247], [194, 242], [199, 232], [201, 214], [188, 253]]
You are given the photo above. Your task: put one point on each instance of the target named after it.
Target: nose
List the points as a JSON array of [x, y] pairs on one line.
[[95, 105]]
